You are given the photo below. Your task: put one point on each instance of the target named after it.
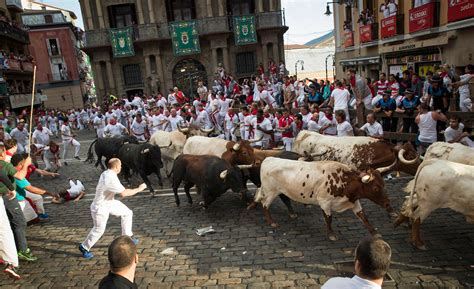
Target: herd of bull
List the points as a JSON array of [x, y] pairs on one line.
[[331, 172]]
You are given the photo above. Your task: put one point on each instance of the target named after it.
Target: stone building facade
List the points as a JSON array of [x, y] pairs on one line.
[[154, 66]]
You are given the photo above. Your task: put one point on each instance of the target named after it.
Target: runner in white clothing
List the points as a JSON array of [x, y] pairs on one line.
[[104, 205], [68, 139]]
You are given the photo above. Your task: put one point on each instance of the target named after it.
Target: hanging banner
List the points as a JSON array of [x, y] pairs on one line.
[[365, 33], [122, 42], [422, 17], [185, 37], [244, 30], [460, 9], [348, 39], [388, 27]]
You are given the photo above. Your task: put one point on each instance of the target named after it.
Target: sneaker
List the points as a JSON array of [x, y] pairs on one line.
[[135, 240], [77, 158], [26, 255], [86, 254], [43, 216], [12, 272]]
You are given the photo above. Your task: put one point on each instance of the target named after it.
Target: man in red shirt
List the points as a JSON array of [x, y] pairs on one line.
[[285, 124], [179, 95]]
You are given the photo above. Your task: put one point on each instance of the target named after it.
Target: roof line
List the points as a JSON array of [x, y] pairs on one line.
[[73, 15]]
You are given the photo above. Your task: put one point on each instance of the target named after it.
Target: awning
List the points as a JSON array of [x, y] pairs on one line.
[[360, 60]]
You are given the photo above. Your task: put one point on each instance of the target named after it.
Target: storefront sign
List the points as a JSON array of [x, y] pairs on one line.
[[388, 27], [460, 9], [421, 17], [365, 33], [349, 39]]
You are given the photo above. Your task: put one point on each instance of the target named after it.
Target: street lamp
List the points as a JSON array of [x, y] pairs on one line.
[[296, 67], [328, 10]]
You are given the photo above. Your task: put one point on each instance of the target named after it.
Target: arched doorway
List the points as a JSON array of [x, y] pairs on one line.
[[186, 75]]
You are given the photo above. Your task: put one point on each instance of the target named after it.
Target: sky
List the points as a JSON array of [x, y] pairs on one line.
[[305, 18]]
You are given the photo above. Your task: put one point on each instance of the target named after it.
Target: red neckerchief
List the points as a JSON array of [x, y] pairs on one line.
[[266, 114], [254, 111], [9, 153], [246, 113], [443, 74], [260, 120], [353, 81], [329, 116], [231, 115]]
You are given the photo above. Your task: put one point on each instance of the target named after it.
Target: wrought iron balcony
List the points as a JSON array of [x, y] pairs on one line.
[[270, 20], [14, 32]]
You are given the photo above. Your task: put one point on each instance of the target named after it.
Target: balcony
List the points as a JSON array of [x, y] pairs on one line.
[[348, 38], [15, 4], [160, 31], [424, 17], [58, 77], [368, 33], [14, 32], [392, 26]]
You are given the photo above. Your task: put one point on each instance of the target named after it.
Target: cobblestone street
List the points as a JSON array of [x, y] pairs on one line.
[[244, 252]]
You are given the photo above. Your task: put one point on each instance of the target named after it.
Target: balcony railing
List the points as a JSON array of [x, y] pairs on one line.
[[392, 26], [369, 32], [13, 32], [160, 31], [61, 76]]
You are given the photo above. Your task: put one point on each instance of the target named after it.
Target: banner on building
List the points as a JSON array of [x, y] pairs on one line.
[[365, 33], [421, 17], [185, 37], [122, 42], [348, 38], [460, 9], [244, 30], [388, 27]]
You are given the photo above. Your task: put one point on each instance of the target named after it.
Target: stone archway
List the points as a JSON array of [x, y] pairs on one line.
[[187, 73]]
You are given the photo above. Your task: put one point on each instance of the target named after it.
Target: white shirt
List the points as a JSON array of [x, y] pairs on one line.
[[99, 122], [230, 123], [66, 134], [374, 129], [109, 116], [427, 128], [344, 129], [464, 89], [172, 99], [266, 97], [323, 121], [138, 128], [313, 126], [224, 105], [341, 98], [108, 185], [114, 129], [265, 124], [42, 136], [203, 119], [174, 121], [350, 283], [162, 102], [21, 136], [156, 121], [450, 133]]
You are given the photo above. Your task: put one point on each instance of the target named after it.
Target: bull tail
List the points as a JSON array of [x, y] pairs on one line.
[[90, 155]]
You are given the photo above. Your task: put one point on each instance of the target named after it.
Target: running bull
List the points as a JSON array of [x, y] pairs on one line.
[[437, 184], [331, 185], [108, 148], [144, 159], [360, 153], [212, 176], [454, 152]]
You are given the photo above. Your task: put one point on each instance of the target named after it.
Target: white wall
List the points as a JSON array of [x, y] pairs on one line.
[[314, 62]]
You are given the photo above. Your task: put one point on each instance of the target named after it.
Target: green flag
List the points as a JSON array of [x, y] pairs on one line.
[[185, 37], [122, 43], [244, 30]]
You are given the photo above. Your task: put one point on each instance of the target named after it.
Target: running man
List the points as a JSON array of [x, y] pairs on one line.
[[104, 205]]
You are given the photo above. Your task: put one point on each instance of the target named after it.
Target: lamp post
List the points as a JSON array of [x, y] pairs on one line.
[[328, 10], [327, 57], [296, 67]]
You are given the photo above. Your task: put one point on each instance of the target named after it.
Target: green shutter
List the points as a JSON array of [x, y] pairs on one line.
[[122, 42], [185, 37], [244, 30]]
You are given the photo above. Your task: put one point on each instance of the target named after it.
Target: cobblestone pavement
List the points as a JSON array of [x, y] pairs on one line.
[[244, 252]]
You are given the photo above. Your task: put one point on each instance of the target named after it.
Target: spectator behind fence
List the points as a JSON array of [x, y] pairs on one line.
[[455, 133], [372, 261], [123, 259]]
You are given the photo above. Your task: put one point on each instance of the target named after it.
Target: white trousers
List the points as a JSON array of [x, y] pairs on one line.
[[73, 142], [288, 143], [7, 242], [27, 210], [51, 165], [465, 102], [229, 135], [100, 132], [100, 217], [37, 200]]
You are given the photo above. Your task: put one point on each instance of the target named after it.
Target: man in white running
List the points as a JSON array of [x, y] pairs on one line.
[[68, 139], [104, 205]]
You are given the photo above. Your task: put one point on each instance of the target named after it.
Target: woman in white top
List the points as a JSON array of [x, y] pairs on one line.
[[426, 121]]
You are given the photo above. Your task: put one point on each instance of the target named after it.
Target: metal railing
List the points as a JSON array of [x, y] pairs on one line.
[[160, 31], [14, 32], [61, 76]]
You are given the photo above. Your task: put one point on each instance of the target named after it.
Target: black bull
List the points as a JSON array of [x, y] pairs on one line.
[[144, 159], [212, 176], [108, 148]]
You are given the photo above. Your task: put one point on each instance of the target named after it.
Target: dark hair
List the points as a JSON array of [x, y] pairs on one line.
[[383, 73], [17, 158], [122, 252], [341, 114], [299, 117], [470, 67], [9, 143], [457, 118], [374, 256]]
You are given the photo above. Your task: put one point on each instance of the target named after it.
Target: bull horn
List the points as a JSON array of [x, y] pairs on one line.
[[223, 174], [236, 147], [318, 154], [367, 178], [145, 151], [209, 130], [255, 140], [402, 158], [386, 169], [421, 158], [183, 130], [165, 146], [244, 166]]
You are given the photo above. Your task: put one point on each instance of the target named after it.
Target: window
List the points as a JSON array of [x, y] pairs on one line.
[[122, 15], [48, 19], [53, 47], [245, 62], [178, 10], [132, 74], [240, 7]]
